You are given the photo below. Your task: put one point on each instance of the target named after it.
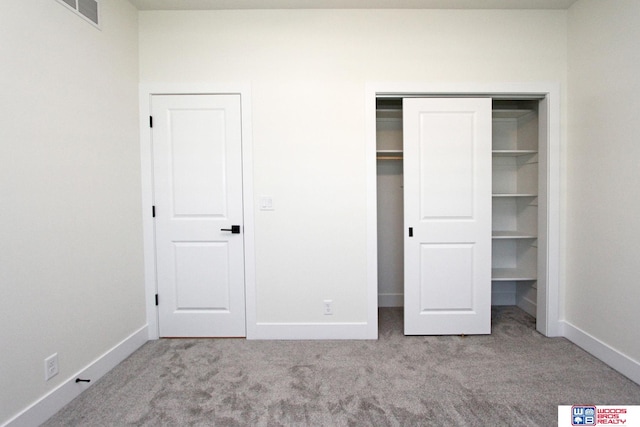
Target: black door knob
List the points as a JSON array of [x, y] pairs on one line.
[[235, 229]]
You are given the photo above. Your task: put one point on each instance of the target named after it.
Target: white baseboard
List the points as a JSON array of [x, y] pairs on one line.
[[609, 355], [314, 331], [45, 407], [528, 306]]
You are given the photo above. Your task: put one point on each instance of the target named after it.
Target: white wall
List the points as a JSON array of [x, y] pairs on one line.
[[308, 70], [71, 273], [603, 195]]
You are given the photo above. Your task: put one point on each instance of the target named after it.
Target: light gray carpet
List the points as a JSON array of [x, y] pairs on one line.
[[514, 377]]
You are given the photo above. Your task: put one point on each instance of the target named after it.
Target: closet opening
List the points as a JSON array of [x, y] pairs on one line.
[[519, 203], [390, 198]]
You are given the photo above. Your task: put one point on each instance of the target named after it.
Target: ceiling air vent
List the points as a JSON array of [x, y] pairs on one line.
[[87, 9]]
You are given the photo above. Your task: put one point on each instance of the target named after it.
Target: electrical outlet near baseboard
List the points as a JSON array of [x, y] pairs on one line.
[[51, 366], [328, 307]]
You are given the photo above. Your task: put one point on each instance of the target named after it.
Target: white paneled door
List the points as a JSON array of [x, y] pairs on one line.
[[447, 208], [197, 166]]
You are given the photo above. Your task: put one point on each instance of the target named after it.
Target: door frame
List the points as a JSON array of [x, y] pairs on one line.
[[146, 91], [550, 324]]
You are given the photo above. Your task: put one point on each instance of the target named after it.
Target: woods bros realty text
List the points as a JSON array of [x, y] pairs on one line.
[[611, 416], [596, 415]]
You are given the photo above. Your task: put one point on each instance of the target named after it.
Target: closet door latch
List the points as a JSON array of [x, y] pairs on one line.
[[410, 231]]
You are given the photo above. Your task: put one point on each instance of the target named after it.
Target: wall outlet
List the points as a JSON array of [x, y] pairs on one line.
[[328, 307], [51, 366]]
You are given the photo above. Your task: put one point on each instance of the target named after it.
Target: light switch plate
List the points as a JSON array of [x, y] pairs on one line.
[[266, 203]]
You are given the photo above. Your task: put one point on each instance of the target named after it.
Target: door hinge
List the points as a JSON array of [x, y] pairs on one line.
[[156, 299], [410, 231], [150, 121], [153, 211]]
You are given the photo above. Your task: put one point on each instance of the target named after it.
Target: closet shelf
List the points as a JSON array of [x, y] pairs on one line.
[[510, 275], [510, 114], [512, 235], [389, 114], [389, 154], [513, 153], [514, 195]]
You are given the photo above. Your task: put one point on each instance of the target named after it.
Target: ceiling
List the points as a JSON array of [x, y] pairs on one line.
[[349, 4]]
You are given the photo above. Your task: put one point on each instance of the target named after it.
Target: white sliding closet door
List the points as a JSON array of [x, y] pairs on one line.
[[447, 215]]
